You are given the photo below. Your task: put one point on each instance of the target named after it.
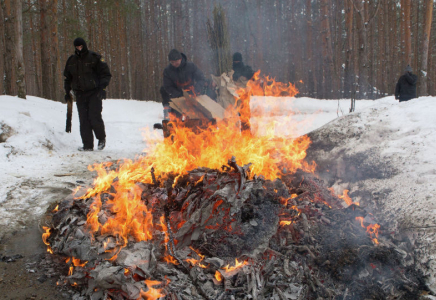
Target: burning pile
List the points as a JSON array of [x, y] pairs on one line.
[[179, 224]]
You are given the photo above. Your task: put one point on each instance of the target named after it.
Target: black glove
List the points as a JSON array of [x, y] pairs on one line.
[[103, 93]]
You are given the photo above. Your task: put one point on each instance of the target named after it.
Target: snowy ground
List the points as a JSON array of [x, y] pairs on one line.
[[383, 153]]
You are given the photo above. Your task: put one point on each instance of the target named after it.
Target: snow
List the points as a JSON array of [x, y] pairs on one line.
[[36, 151]]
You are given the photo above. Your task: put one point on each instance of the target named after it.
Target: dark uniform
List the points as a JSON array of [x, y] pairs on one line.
[[88, 75], [240, 69], [405, 89], [184, 77]]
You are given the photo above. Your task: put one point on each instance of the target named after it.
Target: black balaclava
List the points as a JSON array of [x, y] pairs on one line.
[[237, 60], [80, 42]]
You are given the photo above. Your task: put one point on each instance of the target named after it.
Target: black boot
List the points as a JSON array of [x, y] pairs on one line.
[[85, 149], [101, 144]]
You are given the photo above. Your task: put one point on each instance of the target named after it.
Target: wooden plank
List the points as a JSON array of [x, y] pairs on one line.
[[187, 108], [216, 110], [200, 107], [195, 105]]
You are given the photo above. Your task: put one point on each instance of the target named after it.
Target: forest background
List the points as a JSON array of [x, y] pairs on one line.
[[329, 49]]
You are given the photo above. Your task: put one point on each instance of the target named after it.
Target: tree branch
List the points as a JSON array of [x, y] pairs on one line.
[[375, 13], [355, 8]]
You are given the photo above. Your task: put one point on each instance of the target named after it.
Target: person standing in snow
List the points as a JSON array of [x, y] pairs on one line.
[[180, 75], [88, 75], [242, 72], [406, 86]]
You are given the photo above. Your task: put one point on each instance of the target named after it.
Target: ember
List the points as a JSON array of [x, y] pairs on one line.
[[261, 227]]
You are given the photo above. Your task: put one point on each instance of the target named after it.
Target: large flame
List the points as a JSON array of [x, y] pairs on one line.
[[271, 156]]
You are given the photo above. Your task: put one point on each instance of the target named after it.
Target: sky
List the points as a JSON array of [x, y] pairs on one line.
[[40, 162]]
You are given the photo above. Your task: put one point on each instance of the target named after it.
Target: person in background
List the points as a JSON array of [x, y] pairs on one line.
[[178, 76], [406, 86], [242, 72], [88, 75]]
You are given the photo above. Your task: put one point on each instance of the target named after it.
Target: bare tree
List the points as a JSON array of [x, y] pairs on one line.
[[349, 74], [363, 21], [218, 37], [425, 44], [2, 56], [20, 66], [45, 50], [9, 54], [328, 77], [407, 32]]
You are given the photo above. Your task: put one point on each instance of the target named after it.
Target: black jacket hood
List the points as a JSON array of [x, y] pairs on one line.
[[80, 42], [183, 63]]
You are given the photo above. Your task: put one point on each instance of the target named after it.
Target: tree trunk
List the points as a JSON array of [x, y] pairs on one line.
[[57, 88], [385, 57], [2, 56], [20, 66], [407, 33], [363, 50], [425, 45], [328, 78], [349, 74], [45, 51], [393, 50], [9, 54], [310, 66]]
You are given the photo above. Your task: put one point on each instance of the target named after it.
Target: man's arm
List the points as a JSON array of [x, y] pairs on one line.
[[103, 72], [199, 80], [68, 79], [248, 72], [411, 78], [170, 87], [397, 90]]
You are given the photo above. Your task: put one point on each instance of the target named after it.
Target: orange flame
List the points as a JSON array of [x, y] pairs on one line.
[[347, 198], [271, 155], [218, 276], [285, 221], [372, 230], [237, 265], [131, 216], [151, 293], [45, 236], [78, 263], [196, 262], [170, 260]]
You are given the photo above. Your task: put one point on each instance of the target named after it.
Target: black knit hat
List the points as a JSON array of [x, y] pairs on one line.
[[237, 56], [408, 68], [174, 55], [79, 42]]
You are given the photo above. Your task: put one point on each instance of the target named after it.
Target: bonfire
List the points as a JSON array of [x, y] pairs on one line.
[[224, 213]]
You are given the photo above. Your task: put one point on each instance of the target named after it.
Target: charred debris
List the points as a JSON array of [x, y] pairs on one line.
[[222, 234]]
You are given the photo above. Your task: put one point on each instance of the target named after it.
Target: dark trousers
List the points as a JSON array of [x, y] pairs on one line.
[[90, 106], [166, 103]]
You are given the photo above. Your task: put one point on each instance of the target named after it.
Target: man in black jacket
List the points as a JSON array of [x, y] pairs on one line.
[[241, 71], [178, 76], [406, 86], [88, 75]]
